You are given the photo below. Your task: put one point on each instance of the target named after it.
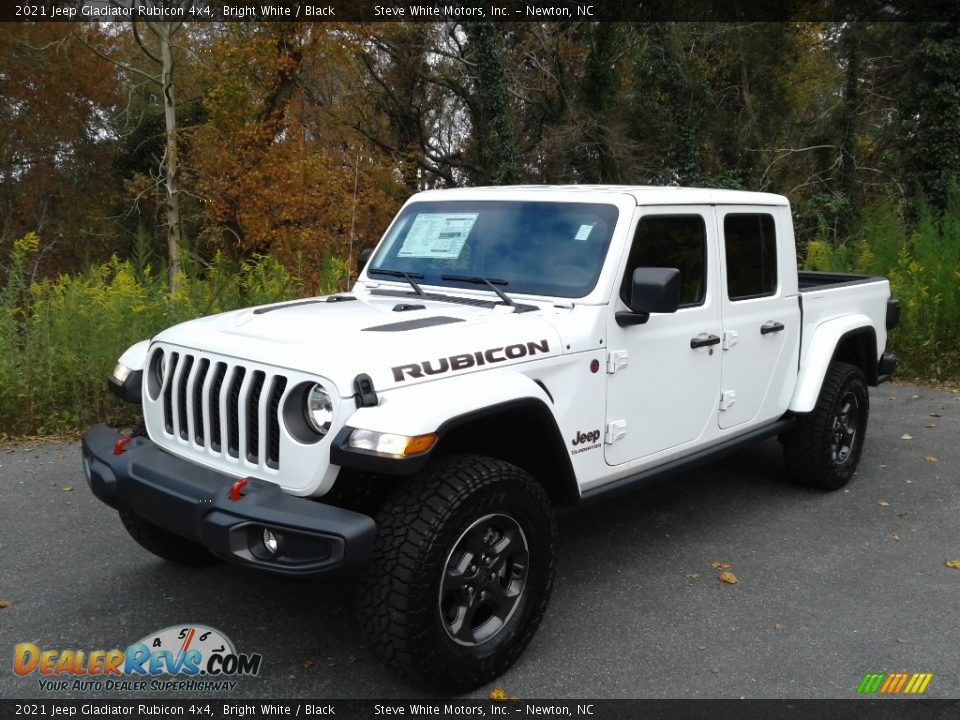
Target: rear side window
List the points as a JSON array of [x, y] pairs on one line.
[[671, 241], [750, 243]]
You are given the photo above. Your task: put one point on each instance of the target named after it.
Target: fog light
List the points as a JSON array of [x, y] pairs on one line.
[[270, 541]]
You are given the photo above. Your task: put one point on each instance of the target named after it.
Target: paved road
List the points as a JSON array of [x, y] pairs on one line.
[[831, 586]]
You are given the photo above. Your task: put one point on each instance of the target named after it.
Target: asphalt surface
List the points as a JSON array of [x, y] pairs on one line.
[[830, 585]]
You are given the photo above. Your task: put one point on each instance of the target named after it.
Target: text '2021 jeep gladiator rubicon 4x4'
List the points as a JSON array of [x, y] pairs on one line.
[[505, 352]]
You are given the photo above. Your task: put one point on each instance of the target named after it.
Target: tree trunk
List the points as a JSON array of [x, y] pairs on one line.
[[171, 161]]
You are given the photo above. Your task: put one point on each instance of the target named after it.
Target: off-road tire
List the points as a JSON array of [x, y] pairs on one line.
[[406, 605], [819, 450], [165, 544]]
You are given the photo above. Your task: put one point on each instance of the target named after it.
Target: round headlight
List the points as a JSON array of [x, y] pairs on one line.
[[319, 409]]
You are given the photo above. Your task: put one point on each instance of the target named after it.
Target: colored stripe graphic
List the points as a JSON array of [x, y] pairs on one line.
[[894, 683], [870, 683]]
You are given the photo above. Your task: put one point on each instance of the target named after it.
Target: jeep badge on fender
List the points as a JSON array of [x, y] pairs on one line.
[[422, 430], [586, 438]]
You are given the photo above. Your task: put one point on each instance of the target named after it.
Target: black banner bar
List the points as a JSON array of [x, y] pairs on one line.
[[855, 709], [477, 10]]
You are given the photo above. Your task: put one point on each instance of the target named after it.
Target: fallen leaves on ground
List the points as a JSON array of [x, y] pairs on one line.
[[727, 577], [955, 564], [895, 537], [935, 414], [719, 565], [930, 458], [307, 664], [883, 503], [930, 426], [5, 604], [500, 695], [906, 436], [68, 488], [778, 626]]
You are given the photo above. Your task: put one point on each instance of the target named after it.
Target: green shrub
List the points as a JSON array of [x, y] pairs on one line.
[[60, 338], [922, 261]]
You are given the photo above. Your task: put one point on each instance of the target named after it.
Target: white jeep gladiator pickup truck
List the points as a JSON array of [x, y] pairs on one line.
[[505, 352]]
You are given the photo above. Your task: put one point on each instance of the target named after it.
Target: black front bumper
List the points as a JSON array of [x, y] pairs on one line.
[[194, 502]]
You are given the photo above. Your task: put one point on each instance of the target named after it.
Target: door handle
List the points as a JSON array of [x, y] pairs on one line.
[[703, 340], [771, 326]]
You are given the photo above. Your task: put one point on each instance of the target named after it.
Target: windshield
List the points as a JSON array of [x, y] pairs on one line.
[[538, 248]]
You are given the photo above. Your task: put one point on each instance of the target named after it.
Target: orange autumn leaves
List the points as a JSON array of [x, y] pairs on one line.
[[724, 576], [275, 165]]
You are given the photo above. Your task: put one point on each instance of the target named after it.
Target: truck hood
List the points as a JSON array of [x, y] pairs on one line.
[[339, 339]]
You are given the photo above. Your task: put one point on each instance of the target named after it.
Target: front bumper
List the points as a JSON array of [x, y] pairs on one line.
[[194, 502]]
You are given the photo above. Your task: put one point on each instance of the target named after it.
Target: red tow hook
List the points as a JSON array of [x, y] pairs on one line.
[[237, 487], [121, 444]]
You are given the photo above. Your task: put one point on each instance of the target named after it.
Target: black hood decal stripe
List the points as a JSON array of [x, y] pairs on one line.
[[414, 324]]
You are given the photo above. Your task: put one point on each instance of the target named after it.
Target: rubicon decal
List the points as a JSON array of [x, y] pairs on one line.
[[178, 650], [894, 683], [463, 361]]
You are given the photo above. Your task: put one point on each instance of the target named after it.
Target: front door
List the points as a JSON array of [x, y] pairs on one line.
[[664, 375]]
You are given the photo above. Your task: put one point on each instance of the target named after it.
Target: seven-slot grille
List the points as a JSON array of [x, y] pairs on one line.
[[228, 409]]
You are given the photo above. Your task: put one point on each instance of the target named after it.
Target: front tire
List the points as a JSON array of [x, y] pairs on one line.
[[462, 572], [823, 448]]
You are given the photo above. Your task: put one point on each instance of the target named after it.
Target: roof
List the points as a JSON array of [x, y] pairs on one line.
[[641, 194]]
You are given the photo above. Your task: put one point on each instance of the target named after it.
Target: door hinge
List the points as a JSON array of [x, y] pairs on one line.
[[617, 360], [615, 430], [727, 399], [730, 338]]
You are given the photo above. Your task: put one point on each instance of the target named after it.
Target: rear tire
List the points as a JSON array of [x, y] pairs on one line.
[[165, 544], [462, 572], [823, 448]]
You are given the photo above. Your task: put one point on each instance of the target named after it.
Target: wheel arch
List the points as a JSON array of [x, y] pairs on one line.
[[851, 339], [504, 415], [522, 432]]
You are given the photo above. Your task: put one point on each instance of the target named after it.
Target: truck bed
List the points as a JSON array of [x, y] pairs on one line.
[[810, 280]]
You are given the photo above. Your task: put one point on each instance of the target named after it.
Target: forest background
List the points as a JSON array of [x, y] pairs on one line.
[[155, 172]]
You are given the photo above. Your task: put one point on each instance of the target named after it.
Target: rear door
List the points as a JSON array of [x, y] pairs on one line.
[[760, 313]]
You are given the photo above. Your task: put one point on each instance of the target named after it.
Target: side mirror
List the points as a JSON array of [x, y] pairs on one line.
[[653, 290], [363, 259]]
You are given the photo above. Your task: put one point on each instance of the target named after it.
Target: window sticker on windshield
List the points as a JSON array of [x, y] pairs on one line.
[[583, 233], [437, 235]]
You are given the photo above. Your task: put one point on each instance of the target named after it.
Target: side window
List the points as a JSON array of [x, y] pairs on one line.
[[750, 243], [672, 241]]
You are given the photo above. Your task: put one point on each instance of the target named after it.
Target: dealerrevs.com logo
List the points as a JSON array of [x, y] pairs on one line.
[[197, 656]]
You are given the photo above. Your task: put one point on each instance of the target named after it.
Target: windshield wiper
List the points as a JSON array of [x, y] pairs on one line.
[[489, 282], [409, 277]]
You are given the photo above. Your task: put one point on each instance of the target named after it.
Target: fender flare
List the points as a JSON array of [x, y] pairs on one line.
[[816, 359], [415, 410], [135, 356]]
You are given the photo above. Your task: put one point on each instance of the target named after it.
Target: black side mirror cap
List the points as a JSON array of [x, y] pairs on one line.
[[363, 259], [655, 290]]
